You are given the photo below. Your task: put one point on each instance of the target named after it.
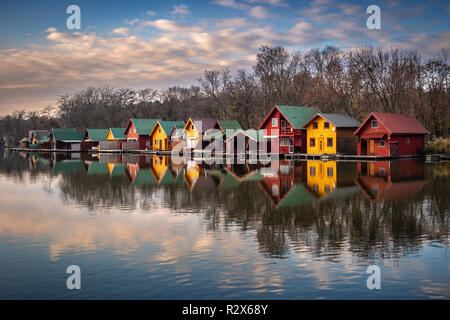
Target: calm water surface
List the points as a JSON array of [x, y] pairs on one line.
[[147, 228]]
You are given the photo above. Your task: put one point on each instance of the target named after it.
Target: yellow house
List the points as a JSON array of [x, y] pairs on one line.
[[116, 134], [322, 177], [195, 128], [161, 132], [330, 133]]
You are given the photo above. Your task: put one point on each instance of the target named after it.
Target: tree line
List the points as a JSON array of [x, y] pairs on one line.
[[355, 82]]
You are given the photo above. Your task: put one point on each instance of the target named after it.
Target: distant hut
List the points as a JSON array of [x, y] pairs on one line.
[[39, 139], [66, 139], [176, 135], [93, 137], [390, 134], [114, 139], [244, 141]]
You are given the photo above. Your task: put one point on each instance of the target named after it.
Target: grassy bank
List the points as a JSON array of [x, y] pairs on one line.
[[438, 145]]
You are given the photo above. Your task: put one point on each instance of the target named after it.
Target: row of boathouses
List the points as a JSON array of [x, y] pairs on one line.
[[284, 130]]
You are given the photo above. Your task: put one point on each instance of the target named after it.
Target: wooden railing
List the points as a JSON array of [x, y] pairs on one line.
[[286, 130]]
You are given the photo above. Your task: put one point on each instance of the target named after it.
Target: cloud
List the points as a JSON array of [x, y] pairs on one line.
[[259, 12], [121, 31], [181, 9], [277, 3], [233, 23], [151, 13], [170, 26], [231, 4], [132, 22]]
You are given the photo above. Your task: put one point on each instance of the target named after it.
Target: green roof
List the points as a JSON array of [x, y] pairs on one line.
[[68, 166], [67, 134], [167, 126], [229, 124], [298, 196], [98, 168], [97, 134], [144, 177], [119, 170], [298, 116], [252, 133], [255, 176], [341, 193], [118, 133], [340, 120], [144, 126]]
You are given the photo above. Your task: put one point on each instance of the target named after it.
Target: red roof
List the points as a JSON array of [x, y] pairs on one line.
[[397, 123]]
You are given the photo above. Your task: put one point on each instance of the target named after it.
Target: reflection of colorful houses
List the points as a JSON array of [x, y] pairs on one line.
[[138, 130], [116, 169], [331, 133], [279, 179], [69, 166], [159, 167], [161, 132], [284, 129], [390, 134], [391, 180], [98, 168], [325, 178], [191, 174], [39, 139]]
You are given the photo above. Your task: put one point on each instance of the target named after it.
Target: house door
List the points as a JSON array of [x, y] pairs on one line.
[[321, 145], [371, 147]]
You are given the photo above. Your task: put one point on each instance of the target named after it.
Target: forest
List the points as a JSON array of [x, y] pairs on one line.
[[355, 82]]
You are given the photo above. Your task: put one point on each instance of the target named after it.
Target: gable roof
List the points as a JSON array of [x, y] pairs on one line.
[[397, 123], [338, 120], [143, 126], [298, 196], [251, 133], [167, 126], [97, 134], [118, 133], [229, 124], [296, 115], [67, 134]]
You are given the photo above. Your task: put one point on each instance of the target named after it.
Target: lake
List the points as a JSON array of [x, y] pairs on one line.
[[142, 227]]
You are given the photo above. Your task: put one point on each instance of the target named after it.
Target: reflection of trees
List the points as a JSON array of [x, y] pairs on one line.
[[368, 229]]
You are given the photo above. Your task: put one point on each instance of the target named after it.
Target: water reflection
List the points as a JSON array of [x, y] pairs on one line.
[[318, 214]]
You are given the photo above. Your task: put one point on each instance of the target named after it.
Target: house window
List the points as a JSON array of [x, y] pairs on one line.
[[407, 141], [192, 127], [274, 122], [329, 142], [382, 143], [315, 125], [134, 130], [382, 172], [159, 130], [330, 172], [147, 143], [274, 190], [283, 123], [374, 123], [312, 171], [327, 188], [312, 142], [156, 142], [315, 188], [326, 125]]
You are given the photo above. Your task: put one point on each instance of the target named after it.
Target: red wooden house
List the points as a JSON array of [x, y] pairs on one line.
[[390, 134], [284, 132], [139, 130]]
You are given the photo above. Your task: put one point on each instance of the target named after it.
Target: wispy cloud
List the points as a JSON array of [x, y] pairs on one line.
[[181, 9], [259, 12], [231, 4]]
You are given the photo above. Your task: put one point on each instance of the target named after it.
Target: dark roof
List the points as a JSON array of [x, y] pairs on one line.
[[68, 166], [67, 134], [38, 133], [204, 124], [339, 120], [400, 123], [397, 123], [97, 134], [98, 168], [118, 133]]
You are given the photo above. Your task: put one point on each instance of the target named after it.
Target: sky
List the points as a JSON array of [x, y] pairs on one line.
[[157, 44]]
